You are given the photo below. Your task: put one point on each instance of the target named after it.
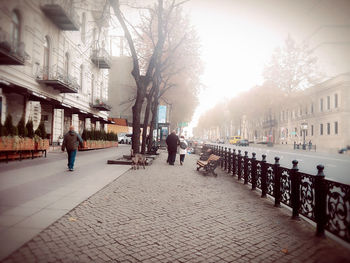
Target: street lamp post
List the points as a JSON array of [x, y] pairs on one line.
[[304, 129]]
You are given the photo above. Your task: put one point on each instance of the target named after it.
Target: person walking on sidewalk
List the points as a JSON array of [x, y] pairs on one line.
[[172, 141], [71, 141], [183, 149]]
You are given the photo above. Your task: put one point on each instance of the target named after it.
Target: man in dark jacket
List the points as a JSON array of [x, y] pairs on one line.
[[172, 141], [71, 141]]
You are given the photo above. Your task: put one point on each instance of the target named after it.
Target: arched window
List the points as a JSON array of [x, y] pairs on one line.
[[101, 91], [92, 88], [94, 32], [81, 77], [46, 62], [66, 64], [83, 28], [15, 24]]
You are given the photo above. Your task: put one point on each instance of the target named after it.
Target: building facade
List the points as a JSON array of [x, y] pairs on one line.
[[54, 64], [320, 114]]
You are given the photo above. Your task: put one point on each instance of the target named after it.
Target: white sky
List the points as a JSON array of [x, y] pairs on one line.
[[237, 38]]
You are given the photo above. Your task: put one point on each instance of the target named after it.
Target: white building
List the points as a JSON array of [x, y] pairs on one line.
[[54, 64]]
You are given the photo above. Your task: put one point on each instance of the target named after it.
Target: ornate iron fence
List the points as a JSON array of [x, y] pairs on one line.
[[323, 201]]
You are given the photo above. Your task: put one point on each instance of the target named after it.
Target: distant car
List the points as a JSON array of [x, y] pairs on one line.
[[124, 138], [243, 143], [235, 139]]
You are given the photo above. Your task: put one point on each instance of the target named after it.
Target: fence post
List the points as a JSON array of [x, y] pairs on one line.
[[239, 168], [222, 157], [253, 171], [229, 160], [246, 159], [263, 176], [320, 201], [225, 167], [234, 162], [295, 189], [277, 182]]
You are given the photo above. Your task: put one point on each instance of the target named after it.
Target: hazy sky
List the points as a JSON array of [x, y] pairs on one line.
[[237, 38]]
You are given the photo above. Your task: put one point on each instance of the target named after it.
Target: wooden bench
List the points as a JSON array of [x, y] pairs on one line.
[[210, 164], [205, 155]]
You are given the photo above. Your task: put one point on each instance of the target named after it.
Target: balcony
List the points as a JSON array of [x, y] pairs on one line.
[[61, 13], [101, 105], [101, 58], [58, 79], [10, 53]]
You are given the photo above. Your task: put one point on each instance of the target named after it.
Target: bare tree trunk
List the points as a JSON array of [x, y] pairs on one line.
[[153, 121], [143, 81], [145, 123], [136, 117]]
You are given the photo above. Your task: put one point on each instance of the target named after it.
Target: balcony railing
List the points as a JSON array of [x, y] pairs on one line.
[[101, 105], [57, 78], [101, 58], [11, 53], [61, 13]]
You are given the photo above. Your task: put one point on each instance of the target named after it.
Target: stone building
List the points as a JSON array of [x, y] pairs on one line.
[[54, 64], [320, 113]]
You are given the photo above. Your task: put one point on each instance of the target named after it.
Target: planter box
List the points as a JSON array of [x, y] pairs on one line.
[[16, 144], [42, 145], [6, 144], [91, 145]]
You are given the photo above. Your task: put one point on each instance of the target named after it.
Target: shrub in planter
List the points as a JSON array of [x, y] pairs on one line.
[[84, 135], [40, 131], [9, 129], [30, 129], [22, 130]]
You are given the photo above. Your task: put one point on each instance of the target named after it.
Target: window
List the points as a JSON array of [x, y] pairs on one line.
[[305, 110], [321, 104], [312, 130], [66, 63], [336, 100], [46, 62], [92, 88], [15, 24], [94, 32], [336, 127], [301, 132], [312, 108], [101, 90], [81, 77], [328, 102], [328, 128], [321, 129], [295, 132], [45, 118], [83, 28]]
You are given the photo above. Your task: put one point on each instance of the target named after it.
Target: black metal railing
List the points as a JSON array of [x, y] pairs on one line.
[[323, 201]]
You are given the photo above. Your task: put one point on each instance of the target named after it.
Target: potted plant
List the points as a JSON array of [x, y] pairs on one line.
[[60, 139]]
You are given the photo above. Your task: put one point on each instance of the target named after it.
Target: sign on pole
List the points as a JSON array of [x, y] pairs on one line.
[[161, 114]]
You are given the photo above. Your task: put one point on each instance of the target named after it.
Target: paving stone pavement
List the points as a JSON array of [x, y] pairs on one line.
[[176, 214]]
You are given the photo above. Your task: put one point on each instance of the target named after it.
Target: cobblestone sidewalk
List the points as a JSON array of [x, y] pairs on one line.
[[176, 214]]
